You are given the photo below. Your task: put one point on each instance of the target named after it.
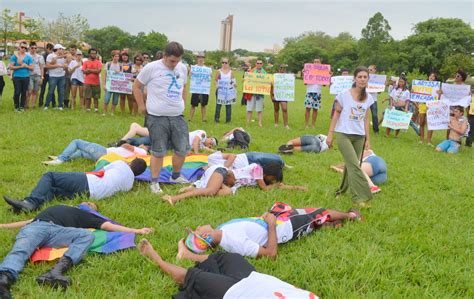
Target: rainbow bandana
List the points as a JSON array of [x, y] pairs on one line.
[[196, 243]]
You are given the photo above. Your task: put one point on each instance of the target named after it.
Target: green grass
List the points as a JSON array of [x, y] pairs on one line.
[[417, 240]]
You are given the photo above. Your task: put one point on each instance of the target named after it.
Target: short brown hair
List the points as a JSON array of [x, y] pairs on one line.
[[174, 49]]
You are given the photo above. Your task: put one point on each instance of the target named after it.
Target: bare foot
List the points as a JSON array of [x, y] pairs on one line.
[[183, 251], [169, 199]]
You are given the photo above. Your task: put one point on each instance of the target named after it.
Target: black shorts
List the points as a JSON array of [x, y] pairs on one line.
[[197, 99], [304, 221]]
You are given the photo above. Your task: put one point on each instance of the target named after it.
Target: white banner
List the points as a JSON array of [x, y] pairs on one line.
[[376, 83], [340, 84], [437, 115], [284, 87]]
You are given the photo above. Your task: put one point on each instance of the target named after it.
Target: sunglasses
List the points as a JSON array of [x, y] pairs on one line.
[[33, 48], [225, 62], [138, 60], [24, 47], [259, 62], [145, 57]]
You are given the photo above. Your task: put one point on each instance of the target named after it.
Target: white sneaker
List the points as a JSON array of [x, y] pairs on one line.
[[45, 108], [179, 180], [96, 110], [51, 157], [53, 162], [60, 108], [155, 188]]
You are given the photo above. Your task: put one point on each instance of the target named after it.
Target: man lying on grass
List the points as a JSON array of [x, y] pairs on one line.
[[57, 226], [115, 177], [260, 236]]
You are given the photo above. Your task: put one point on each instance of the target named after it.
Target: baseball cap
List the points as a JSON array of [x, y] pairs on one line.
[[58, 46], [201, 54], [78, 52]]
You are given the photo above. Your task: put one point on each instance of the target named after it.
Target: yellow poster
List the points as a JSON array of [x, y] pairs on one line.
[[258, 83]]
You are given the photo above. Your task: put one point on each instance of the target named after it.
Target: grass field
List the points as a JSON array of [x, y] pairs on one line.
[[417, 240]]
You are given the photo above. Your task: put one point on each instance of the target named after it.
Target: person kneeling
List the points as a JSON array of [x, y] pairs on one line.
[[457, 129]]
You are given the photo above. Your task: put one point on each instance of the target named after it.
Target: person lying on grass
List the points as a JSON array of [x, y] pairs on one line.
[[84, 149], [236, 161], [259, 236], [58, 227], [305, 143], [457, 129], [219, 181], [117, 176], [223, 275], [374, 168]]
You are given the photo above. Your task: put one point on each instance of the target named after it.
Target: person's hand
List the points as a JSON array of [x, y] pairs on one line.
[[142, 109], [269, 218], [367, 146], [303, 188], [144, 231], [329, 141]]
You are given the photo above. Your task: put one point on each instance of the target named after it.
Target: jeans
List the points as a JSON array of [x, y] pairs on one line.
[[228, 113], [54, 82], [375, 118], [82, 149], [310, 143], [60, 184], [470, 136], [379, 169], [264, 159], [137, 141], [46, 234], [449, 146], [43, 90], [113, 95], [20, 85]]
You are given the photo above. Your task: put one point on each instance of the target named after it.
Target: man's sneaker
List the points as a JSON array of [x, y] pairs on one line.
[[61, 109], [45, 108], [356, 215], [155, 188], [96, 110], [53, 162], [51, 157], [375, 189], [179, 180]]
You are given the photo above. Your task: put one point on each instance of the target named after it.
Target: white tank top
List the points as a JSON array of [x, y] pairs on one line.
[[227, 76]]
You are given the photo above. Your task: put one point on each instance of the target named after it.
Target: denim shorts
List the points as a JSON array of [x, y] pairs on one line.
[[449, 146], [264, 159], [168, 132], [113, 95], [379, 169], [222, 171], [75, 82], [310, 143], [35, 83]]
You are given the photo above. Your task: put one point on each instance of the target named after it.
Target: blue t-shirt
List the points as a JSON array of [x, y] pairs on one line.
[[23, 72]]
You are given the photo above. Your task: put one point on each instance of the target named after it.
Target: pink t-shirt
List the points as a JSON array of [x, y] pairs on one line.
[[248, 175], [92, 79]]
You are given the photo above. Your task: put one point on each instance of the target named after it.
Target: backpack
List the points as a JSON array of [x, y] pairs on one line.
[[241, 139]]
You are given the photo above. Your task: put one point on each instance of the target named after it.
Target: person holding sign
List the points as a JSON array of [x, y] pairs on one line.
[[199, 98], [399, 100], [351, 122], [225, 82], [277, 104], [112, 66], [457, 129], [312, 100], [256, 100], [422, 109]]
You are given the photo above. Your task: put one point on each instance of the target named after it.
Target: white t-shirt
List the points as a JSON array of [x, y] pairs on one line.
[[78, 74], [37, 61], [56, 72], [263, 286], [317, 88], [202, 182], [164, 88], [245, 236], [198, 133], [352, 119], [125, 153], [216, 158], [399, 97], [374, 95], [117, 177]]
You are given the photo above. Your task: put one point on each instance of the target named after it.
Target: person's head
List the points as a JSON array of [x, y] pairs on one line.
[[433, 77], [361, 78], [317, 60], [58, 49], [344, 72], [73, 49], [402, 82], [372, 69], [200, 57], [146, 57], [460, 77], [225, 62], [124, 57], [230, 179], [259, 64], [78, 55], [91, 205], [49, 47], [211, 142], [23, 47], [282, 68], [138, 166], [158, 55], [92, 53], [33, 47], [138, 59], [201, 239], [272, 173], [115, 56], [458, 111], [173, 53]]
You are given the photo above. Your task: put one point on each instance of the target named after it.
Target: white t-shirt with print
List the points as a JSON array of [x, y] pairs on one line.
[[263, 286], [399, 97], [37, 61], [314, 88], [117, 177], [352, 118], [56, 72], [125, 153], [216, 158], [202, 182], [164, 88], [245, 236], [198, 133], [78, 74]]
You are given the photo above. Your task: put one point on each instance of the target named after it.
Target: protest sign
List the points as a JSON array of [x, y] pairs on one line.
[[340, 84], [284, 87], [471, 107], [200, 79], [395, 119], [119, 82], [455, 94], [424, 91], [256, 83], [317, 74], [226, 92], [437, 115], [376, 83]]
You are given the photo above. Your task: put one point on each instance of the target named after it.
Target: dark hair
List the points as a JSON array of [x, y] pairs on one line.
[[158, 55], [124, 54], [463, 74], [72, 46], [92, 49], [435, 74], [49, 46], [459, 108], [138, 166], [363, 93], [32, 44], [273, 169], [174, 49], [215, 139], [145, 53], [404, 78]]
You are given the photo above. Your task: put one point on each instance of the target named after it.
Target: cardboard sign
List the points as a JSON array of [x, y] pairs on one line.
[[255, 83], [456, 95], [340, 84], [317, 74], [437, 115], [200, 79], [376, 83], [119, 82], [396, 120], [226, 92], [284, 87], [424, 91]]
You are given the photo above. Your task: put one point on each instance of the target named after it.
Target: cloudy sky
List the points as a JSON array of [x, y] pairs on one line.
[[257, 25]]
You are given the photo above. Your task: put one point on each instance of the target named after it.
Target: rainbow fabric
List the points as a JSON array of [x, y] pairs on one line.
[[192, 168], [196, 243], [105, 242]]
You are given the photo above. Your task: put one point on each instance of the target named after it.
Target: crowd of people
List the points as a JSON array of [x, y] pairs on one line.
[[159, 93]]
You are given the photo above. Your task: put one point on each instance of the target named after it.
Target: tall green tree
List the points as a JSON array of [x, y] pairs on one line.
[[150, 43], [455, 62], [107, 39], [64, 29], [7, 27]]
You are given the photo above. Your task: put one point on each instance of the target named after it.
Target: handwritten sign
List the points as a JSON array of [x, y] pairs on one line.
[[395, 119], [376, 83], [119, 82], [200, 79], [284, 87], [471, 108], [340, 84], [424, 91], [456, 95], [317, 74], [255, 83], [437, 115], [226, 92]]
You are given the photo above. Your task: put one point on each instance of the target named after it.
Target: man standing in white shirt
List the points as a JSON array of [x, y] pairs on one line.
[[165, 80], [56, 65]]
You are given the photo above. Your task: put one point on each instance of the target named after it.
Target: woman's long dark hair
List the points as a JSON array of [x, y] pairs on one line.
[[363, 93]]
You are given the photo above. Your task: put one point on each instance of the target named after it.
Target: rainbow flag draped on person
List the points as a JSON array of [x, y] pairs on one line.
[[192, 168]]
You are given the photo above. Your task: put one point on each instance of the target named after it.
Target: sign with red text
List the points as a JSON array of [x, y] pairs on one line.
[[255, 83], [119, 82], [437, 115], [317, 74]]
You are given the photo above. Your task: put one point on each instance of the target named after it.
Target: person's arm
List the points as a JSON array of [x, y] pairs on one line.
[[104, 79], [29, 66], [335, 118], [271, 249], [195, 145], [185, 93], [230, 158], [367, 129], [263, 186], [41, 65], [16, 224], [110, 227], [459, 129], [138, 94]]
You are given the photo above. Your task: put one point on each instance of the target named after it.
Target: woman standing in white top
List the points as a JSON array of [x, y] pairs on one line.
[[77, 79], [224, 74], [351, 122]]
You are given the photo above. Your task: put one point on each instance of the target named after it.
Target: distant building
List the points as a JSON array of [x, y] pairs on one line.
[[275, 50], [226, 34]]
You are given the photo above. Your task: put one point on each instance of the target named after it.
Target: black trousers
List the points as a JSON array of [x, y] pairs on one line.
[[2, 85], [470, 137], [20, 85], [43, 91], [215, 276]]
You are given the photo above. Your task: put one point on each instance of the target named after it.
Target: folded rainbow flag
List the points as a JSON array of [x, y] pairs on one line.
[[105, 242], [192, 168]]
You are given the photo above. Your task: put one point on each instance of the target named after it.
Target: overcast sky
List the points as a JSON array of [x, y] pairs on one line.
[[257, 25]]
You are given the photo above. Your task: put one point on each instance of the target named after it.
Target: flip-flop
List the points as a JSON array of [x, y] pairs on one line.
[[286, 148]]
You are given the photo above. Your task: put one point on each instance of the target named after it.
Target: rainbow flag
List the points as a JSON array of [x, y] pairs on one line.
[[192, 168]]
